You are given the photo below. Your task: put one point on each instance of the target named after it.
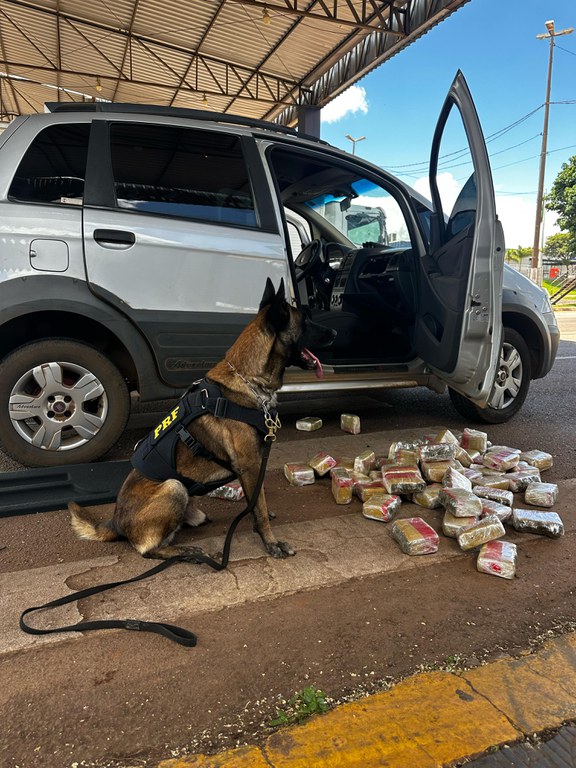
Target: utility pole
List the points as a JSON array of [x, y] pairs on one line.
[[536, 271], [354, 142]]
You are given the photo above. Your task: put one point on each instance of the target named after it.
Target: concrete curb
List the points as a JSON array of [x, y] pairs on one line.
[[430, 720]]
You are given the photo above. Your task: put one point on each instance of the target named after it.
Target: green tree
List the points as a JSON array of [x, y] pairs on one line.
[[517, 254], [561, 248], [562, 197]]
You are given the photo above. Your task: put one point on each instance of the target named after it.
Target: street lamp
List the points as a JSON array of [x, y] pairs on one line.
[[354, 142], [550, 35]]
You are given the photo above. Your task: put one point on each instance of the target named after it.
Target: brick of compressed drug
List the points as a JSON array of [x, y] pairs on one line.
[[434, 471], [403, 445], [484, 530], [520, 479], [437, 452], [382, 506], [231, 491], [454, 479], [415, 536], [322, 463], [497, 558], [299, 474], [460, 502], [541, 494], [446, 436], [342, 486], [452, 525], [365, 461], [463, 457], [474, 440], [502, 511], [400, 479], [534, 521], [350, 423], [473, 475], [539, 459], [365, 489], [495, 494], [406, 456], [428, 497], [501, 460], [497, 481], [309, 424]]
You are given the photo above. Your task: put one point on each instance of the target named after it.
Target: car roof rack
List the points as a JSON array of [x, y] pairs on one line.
[[162, 111]]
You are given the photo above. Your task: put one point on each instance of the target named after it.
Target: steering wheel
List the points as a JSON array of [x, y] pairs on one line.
[[308, 259]]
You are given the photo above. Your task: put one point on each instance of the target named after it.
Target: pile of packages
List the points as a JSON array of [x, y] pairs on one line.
[[479, 486]]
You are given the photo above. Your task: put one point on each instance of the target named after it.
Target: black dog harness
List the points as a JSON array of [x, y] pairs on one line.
[[155, 455]]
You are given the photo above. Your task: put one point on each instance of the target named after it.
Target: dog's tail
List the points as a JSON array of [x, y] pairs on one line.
[[86, 526]]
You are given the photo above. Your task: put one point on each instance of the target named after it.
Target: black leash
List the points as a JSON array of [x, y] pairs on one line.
[[177, 634]]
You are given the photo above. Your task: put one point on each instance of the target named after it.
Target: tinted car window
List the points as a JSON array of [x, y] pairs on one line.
[[181, 172], [54, 167]]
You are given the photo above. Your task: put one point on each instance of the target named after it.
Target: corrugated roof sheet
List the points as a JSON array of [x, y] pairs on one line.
[[255, 58]]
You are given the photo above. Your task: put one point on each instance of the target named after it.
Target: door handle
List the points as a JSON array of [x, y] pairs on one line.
[[114, 237]]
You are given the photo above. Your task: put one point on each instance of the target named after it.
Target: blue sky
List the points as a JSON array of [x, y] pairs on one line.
[[494, 43]]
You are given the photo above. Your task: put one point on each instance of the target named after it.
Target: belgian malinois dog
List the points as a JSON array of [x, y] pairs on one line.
[[149, 512]]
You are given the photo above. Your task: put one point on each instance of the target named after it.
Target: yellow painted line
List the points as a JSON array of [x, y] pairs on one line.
[[536, 691], [243, 757], [427, 721]]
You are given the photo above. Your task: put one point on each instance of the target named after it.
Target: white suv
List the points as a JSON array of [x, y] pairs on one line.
[[136, 241]]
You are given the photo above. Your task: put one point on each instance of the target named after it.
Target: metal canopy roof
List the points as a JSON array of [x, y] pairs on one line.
[[247, 57]]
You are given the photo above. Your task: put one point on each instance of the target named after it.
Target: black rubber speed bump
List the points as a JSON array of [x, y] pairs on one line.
[[43, 490]]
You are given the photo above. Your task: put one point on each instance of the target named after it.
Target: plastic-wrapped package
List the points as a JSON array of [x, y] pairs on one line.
[[437, 452], [455, 479], [497, 558], [495, 494], [533, 521], [365, 461], [520, 479], [474, 439], [415, 536], [322, 463], [496, 481], [501, 460], [342, 486], [299, 474], [434, 471], [541, 494], [539, 459], [309, 424], [463, 457], [400, 479], [489, 507], [365, 489], [232, 491], [452, 525], [344, 463], [428, 497], [460, 502], [473, 475], [484, 530], [406, 456], [381, 507], [446, 436], [350, 423]]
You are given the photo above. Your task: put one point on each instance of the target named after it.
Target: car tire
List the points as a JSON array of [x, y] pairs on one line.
[[510, 388], [61, 402]]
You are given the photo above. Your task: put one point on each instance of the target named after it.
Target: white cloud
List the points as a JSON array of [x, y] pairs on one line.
[[516, 212], [351, 101]]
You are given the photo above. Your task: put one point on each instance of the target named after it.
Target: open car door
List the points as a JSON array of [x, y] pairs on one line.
[[458, 326]]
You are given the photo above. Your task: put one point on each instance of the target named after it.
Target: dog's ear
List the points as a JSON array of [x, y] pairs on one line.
[[269, 294], [278, 315]]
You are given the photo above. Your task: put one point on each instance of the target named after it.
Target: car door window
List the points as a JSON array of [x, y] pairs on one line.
[[53, 168], [181, 172]]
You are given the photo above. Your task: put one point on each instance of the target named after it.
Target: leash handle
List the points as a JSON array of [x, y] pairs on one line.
[[171, 632]]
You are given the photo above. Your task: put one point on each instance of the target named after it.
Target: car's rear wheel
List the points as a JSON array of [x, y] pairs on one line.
[[510, 386], [61, 402]]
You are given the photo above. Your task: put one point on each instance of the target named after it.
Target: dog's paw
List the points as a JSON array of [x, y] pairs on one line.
[[280, 549]]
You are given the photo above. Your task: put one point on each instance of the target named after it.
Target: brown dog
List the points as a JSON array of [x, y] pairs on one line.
[[149, 511]]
